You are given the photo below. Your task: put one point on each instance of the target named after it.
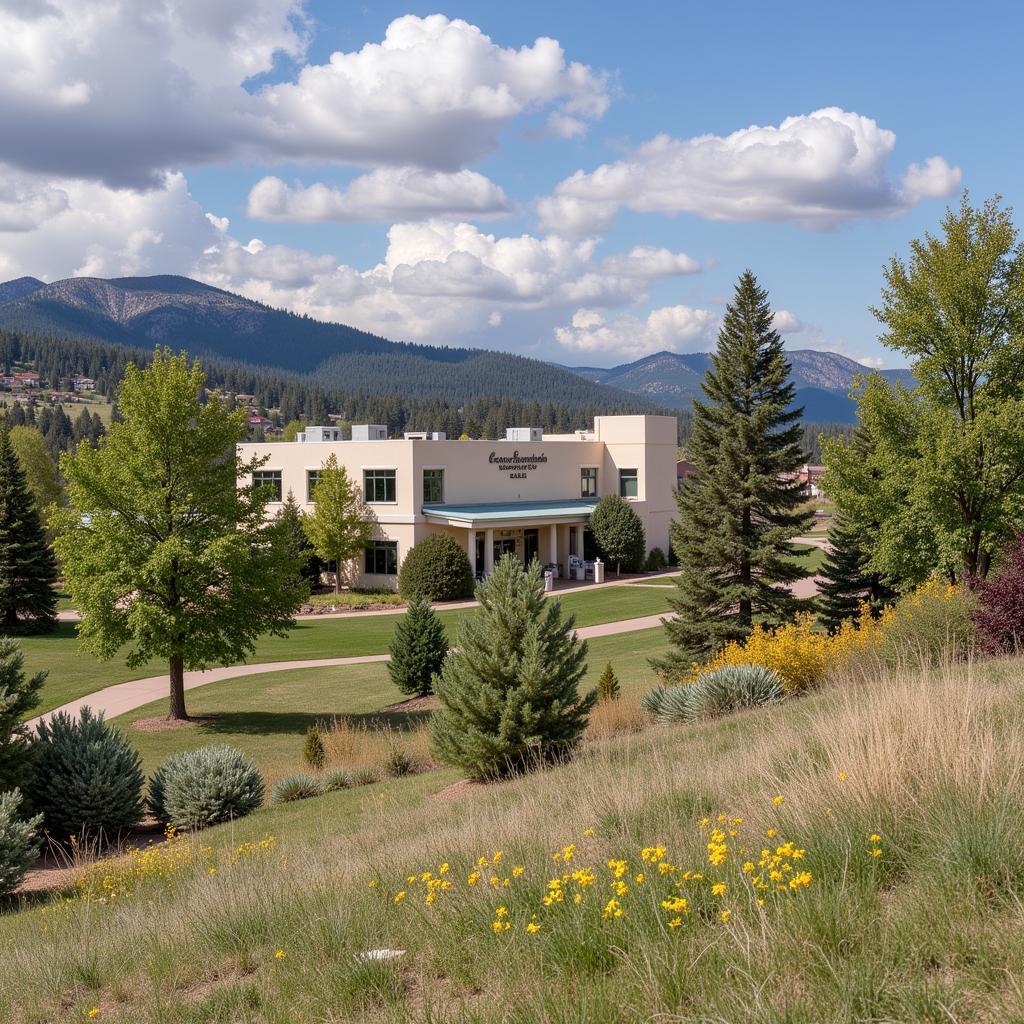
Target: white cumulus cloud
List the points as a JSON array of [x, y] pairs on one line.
[[669, 328], [817, 170], [123, 91], [384, 194]]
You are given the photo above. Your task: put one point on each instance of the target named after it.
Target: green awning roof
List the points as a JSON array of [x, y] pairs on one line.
[[513, 511]]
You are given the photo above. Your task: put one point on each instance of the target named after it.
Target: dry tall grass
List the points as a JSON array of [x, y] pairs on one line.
[[928, 759], [369, 744]]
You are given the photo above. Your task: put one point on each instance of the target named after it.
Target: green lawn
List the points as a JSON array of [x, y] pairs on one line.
[[811, 558], [267, 715], [73, 675]]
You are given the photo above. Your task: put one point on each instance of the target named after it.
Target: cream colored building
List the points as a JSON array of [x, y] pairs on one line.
[[530, 494]]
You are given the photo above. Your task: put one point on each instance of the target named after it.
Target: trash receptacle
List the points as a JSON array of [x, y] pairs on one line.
[[580, 572], [598, 571], [549, 580]]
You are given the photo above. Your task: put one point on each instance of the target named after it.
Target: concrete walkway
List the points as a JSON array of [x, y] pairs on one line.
[[123, 697]]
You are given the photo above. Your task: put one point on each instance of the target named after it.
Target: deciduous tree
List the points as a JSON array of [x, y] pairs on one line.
[[618, 533], [164, 552], [339, 526]]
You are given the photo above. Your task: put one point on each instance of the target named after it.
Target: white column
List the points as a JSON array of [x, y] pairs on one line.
[[553, 549], [488, 552], [472, 552]]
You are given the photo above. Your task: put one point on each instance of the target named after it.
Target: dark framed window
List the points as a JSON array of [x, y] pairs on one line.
[[379, 486], [381, 558], [588, 482], [312, 475], [270, 479], [433, 486], [628, 483]]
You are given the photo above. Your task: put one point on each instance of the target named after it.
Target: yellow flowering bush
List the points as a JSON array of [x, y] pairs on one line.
[[929, 617], [116, 878], [737, 874]]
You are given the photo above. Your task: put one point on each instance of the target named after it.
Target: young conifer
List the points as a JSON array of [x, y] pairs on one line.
[[608, 688], [510, 688], [846, 582], [739, 513], [419, 647], [28, 570]]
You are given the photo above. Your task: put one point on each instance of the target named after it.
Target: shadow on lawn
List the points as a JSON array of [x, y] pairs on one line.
[[263, 723]]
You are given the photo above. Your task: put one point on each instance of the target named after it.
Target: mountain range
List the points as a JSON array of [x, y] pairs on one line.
[[181, 312], [823, 380]]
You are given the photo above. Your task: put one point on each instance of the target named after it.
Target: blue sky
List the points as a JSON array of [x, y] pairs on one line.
[[222, 145]]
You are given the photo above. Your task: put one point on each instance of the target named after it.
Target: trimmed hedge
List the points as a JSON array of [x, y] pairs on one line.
[[436, 568]]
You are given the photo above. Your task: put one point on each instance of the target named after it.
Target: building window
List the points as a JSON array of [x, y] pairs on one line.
[[628, 486], [379, 486], [588, 482], [382, 558], [433, 486], [312, 475], [270, 479]]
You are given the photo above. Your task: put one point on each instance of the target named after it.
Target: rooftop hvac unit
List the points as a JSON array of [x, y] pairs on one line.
[[524, 434], [311, 434], [426, 435], [369, 432]]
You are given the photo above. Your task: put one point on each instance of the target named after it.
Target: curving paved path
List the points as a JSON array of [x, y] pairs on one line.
[[123, 697]]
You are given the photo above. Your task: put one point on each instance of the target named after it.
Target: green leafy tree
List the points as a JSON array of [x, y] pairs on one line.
[[418, 648], [942, 485], [40, 472], [291, 519], [19, 694], [291, 429], [163, 551], [436, 568], [509, 690], [618, 533], [27, 567], [339, 526], [846, 583], [738, 515]]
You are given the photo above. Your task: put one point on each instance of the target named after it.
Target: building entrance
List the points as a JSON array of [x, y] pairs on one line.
[[504, 547]]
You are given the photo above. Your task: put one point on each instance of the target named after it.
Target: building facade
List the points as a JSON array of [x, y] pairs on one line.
[[529, 494]]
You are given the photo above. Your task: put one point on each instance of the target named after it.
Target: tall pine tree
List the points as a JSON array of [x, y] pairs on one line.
[[27, 567], [846, 582], [739, 513]]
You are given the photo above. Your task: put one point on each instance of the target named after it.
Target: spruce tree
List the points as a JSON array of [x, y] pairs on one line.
[[510, 689], [418, 648], [28, 570], [846, 582], [19, 694], [290, 519], [739, 513]]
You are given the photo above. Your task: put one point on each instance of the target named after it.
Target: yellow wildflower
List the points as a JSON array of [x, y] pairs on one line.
[[280, 954], [725, 915]]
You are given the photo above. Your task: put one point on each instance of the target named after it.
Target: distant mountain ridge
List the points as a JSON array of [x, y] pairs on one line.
[[823, 380], [183, 313]]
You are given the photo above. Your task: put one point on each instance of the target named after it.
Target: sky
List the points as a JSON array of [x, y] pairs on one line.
[[579, 182]]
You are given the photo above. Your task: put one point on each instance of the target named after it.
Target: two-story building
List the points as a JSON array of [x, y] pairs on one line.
[[530, 494]]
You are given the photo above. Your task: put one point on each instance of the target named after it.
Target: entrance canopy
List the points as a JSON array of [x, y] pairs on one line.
[[511, 513]]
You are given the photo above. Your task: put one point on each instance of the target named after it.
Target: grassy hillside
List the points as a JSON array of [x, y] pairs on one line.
[[927, 929]]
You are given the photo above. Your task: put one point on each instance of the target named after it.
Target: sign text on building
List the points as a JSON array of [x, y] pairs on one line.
[[516, 465]]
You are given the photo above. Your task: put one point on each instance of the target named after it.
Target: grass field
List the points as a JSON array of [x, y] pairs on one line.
[[926, 930], [810, 559], [267, 715], [73, 674]]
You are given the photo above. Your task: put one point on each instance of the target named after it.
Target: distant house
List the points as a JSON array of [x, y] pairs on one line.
[[809, 477], [259, 421], [83, 384], [685, 470], [6, 383], [245, 399], [26, 380]]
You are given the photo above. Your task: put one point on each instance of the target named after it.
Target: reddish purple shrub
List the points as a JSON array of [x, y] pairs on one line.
[[999, 612]]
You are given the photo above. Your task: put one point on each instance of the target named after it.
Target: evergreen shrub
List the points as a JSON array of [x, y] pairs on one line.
[[418, 648], [656, 560], [19, 842], [313, 752], [87, 779], [618, 532], [608, 688], [19, 694], [715, 693], [437, 568], [203, 787], [300, 786]]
